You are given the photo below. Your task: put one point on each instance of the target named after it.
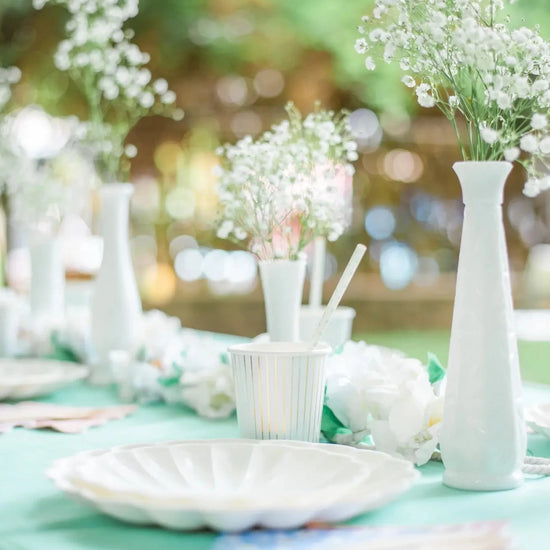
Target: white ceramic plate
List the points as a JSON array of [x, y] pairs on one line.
[[25, 378], [538, 418], [233, 484]]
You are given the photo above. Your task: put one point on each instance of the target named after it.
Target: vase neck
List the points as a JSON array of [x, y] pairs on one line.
[[115, 206], [482, 182]]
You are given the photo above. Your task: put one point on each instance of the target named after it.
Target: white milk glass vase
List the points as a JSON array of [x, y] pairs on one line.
[[47, 289], [283, 284], [482, 438], [116, 305]]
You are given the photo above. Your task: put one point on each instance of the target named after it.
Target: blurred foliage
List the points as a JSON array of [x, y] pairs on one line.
[[195, 44], [239, 35]]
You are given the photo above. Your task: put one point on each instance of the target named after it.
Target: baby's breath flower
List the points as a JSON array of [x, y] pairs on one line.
[[130, 150], [504, 101], [529, 143], [42, 191], [147, 100], [98, 55], [539, 121], [511, 154], [473, 67], [488, 135], [289, 186], [370, 64], [361, 45], [160, 86], [409, 81], [169, 97]]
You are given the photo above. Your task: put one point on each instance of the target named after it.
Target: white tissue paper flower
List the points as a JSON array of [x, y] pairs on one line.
[[377, 391], [74, 333], [35, 332], [158, 331], [210, 392], [203, 379]]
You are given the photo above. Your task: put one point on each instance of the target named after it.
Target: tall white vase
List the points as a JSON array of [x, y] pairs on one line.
[[116, 305], [283, 285], [482, 438], [47, 292]]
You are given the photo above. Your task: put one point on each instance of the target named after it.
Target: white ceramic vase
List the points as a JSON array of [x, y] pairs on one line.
[[283, 285], [116, 305], [47, 291], [482, 438]]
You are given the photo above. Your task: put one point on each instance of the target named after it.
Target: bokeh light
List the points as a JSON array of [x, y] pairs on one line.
[[245, 123], [181, 242], [180, 203], [188, 264], [241, 267], [269, 83], [402, 165], [158, 284], [380, 222], [232, 90], [38, 134], [427, 272], [365, 129], [398, 265], [214, 265]]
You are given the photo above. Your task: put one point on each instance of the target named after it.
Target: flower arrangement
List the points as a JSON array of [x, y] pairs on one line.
[[201, 377], [378, 392], [462, 57], [284, 189], [49, 190], [175, 365], [43, 189], [110, 70]]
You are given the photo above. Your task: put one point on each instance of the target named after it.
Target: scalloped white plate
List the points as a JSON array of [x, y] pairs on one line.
[[25, 378], [537, 417], [233, 484]]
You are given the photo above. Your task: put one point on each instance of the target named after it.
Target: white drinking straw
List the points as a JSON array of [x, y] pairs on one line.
[[341, 287], [317, 272]]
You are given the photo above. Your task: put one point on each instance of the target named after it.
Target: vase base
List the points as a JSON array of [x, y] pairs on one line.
[[469, 482]]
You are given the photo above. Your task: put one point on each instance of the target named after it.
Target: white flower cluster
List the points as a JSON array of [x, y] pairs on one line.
[[111, 71], [204, 379], [43, 191], [289, 186], [380, 392], [461, 56], [8, 77]]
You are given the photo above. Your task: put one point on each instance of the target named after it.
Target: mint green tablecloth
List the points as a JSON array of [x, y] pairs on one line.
[[34, 515]]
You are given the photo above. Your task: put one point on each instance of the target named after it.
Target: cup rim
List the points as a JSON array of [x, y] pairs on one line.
[[294, 349], [341, 312]]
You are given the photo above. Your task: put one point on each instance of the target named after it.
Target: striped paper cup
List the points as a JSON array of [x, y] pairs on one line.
[[279, 389]]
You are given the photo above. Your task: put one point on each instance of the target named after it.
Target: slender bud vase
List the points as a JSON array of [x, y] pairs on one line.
[[47, 294], [283, 285], [116, 306], [482, 438]]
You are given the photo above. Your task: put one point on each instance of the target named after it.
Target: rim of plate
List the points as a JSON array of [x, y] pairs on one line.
[[403, 475], [54, 370]]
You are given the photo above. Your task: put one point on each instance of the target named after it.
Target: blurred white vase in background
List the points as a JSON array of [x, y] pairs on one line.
[[116, 305]]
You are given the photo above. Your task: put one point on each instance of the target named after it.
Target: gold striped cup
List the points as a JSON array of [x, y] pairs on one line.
[[279, 389]]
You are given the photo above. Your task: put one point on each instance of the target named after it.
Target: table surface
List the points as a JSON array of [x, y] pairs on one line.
[[35, 515]]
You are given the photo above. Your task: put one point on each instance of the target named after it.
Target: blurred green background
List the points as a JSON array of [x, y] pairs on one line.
[[234, 64]]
